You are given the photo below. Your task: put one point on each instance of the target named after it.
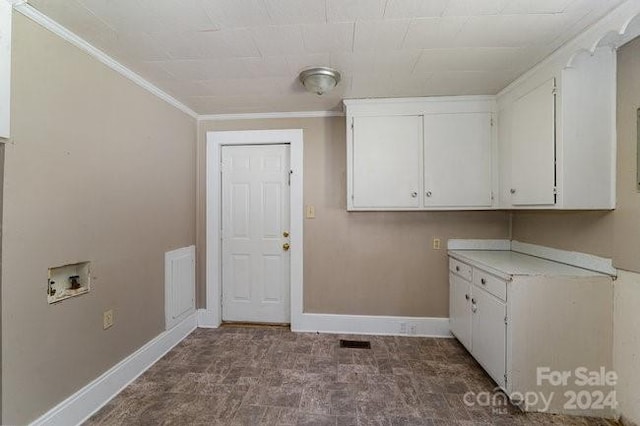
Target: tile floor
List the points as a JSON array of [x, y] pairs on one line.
[[270, 376]]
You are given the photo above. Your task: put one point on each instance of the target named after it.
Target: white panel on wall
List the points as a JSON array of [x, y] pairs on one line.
[[5, 68], [180, 285]]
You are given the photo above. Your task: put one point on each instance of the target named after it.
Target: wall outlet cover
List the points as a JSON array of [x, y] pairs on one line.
[[107, 318], [311, 212]]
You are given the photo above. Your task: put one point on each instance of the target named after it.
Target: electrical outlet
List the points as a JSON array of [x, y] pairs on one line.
[[107, 319], [436, 243], [403, 328], [311, 211]]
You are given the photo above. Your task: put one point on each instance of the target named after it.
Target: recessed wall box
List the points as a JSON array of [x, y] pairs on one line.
[[68, 281]]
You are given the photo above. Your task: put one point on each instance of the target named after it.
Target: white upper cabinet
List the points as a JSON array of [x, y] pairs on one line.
[[550, 145], [5, 68], [556, 136], [533, 148], [387, 165], [420, 153], [457, 160]]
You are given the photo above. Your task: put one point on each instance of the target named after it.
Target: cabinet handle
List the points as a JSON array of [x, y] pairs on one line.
[[466, 296], [474, 307], [457, 269], [414, 194], [428, 193], [513, 190], [483, 281], [473, 301]]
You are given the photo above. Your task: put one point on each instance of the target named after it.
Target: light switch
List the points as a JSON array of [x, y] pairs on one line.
[[311, 212]]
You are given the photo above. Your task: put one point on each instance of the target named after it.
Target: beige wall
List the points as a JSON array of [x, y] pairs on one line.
[[626, 344], [612, 234], [360, 262], [98, 170], [589, 231]]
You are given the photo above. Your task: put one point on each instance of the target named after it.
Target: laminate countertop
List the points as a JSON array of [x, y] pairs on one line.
[[506, 263]]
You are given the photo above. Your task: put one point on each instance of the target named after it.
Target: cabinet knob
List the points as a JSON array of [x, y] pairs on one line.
[[457, 269], [473, 301], [428, 193], [466, 296], [513, 190], [414, 194], [483, 281]]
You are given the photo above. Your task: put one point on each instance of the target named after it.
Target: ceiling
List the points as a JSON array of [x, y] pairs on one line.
[[243, 56]]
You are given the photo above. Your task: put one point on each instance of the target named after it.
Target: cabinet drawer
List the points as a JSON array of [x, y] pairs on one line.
[[490, 283], [460, 268]]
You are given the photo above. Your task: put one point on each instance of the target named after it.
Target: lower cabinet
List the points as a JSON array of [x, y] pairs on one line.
[[460, 309], [489, 333], [547, 318], [478, 319]]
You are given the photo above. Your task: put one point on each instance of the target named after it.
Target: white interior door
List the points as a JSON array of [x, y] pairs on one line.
[[255, 228]]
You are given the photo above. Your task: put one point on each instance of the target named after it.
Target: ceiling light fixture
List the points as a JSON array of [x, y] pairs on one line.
[[319, 80]]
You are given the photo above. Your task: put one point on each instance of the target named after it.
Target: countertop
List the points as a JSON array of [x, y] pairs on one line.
[[507, 263]]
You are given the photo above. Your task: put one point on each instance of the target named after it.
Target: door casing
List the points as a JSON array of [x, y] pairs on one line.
[[214, 142]]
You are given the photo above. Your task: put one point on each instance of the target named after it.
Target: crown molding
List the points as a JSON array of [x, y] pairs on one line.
[[612, 30], [61, 31], [265, 115]]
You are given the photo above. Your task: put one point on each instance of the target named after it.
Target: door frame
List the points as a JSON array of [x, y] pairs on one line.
[[215, 140]]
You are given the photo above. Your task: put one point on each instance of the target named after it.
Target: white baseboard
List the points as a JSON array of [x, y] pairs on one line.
[[354, 324], [368, 324], [207, 319], [84, 403]]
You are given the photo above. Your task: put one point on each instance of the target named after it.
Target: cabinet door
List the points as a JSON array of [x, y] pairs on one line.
[[460, 309], [533, 147], [387, 156], [457, 160], [489, 333]]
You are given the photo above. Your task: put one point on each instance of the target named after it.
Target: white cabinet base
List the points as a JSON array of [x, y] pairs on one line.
[[531, 326]]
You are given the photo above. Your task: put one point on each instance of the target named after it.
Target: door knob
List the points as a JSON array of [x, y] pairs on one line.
[[285, 246], [428, 194], [414, 194], [285, 234]]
